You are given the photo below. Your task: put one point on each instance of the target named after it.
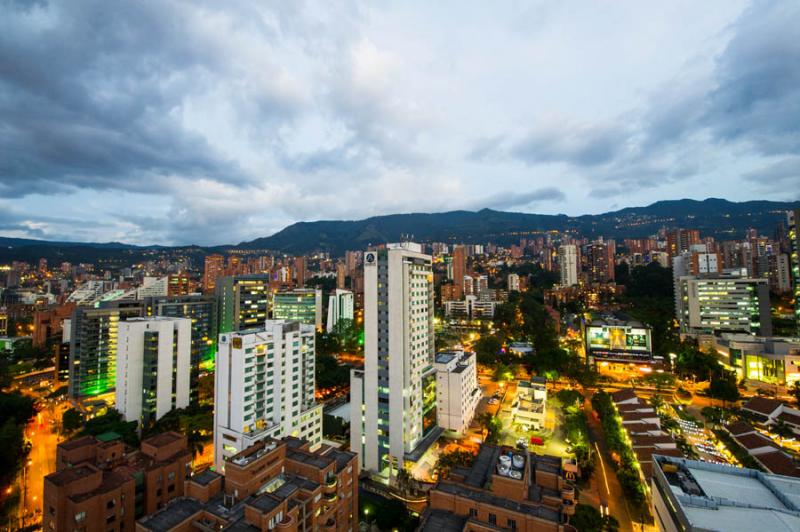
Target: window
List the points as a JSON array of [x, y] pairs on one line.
[[110, 504], [80, 517], [512, 524], [492, 519], [473, 512], [171, 475]]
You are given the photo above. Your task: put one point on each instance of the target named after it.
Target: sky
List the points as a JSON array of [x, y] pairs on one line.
[[207, 122]]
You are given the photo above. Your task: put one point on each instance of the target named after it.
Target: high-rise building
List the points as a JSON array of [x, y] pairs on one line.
[[513, 282], [264, 388], [568, 264], [153, 367], [389, 415], [601, 261], [779, 273], [243, 301], [214, 269], [300, 271], [340, 307], [723, 303], [3, 322], [93, 347], [680, 240], [794, 259], [178, 284], [341, 275], [459, 267], [301, 304], [202, 311], [153, 286]]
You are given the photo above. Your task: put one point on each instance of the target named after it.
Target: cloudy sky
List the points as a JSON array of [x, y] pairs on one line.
[[216, 122]]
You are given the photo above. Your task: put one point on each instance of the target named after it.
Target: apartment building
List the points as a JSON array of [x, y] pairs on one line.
[[101, 485], [271, 485]]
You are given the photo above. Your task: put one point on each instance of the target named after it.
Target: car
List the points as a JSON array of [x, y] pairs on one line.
[[493, 401]]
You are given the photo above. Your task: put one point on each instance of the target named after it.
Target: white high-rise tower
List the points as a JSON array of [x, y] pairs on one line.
[[392, 410], [568, 264]]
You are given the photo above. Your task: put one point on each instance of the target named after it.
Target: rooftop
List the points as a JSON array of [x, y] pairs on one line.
[[762, 405], [163, 439], [77, 443], [487, 497], [718, 497], [71, 474], [441, 521], [206, 477], [176, 512]]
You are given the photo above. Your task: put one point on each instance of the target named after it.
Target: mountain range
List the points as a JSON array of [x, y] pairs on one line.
[[722, 219]]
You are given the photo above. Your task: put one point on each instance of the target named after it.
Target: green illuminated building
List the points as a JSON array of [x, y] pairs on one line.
[[93, 347], [303, 305], [794, 259], [243, 302]]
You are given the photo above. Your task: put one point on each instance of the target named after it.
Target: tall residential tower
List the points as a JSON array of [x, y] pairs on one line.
[[390, 417]]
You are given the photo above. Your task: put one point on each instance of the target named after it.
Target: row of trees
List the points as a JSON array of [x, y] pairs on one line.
[[16, 411], [624, 459]]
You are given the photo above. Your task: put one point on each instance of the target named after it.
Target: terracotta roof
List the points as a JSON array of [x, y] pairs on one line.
[[623, 395], [739, 427], [641, 428], [779, 463], [753, 441], [762, 405], [646, 440], [792, 419], [638, 416]]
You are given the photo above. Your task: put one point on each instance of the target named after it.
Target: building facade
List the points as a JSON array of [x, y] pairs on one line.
[[93, 348], [340, 307], [273, 485], [243, 301], [727, 303], [568, 264], [264, 388], [387, 404], [153, 367], [457, 391], [302, 304], [202, 311]]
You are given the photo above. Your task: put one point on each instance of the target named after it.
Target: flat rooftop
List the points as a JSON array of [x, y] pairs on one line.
[[173, 514], [718, 497]]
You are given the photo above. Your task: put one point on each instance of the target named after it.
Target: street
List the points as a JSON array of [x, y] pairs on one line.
[[42, 433]]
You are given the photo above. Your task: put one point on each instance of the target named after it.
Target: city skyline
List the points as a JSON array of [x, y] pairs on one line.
[[123, 125]]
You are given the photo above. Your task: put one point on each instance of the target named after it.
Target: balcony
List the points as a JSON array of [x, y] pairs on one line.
[[329, 525]]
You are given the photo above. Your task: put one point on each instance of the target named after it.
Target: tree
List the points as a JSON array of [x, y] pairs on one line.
[[487, 348], [492, 426], [71, 420], [502, 373], [794, 391], [723, 386], [112, 421], [458, 457], [589, 518]]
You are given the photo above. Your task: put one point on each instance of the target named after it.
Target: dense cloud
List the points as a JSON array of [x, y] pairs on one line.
[[216, 122]]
